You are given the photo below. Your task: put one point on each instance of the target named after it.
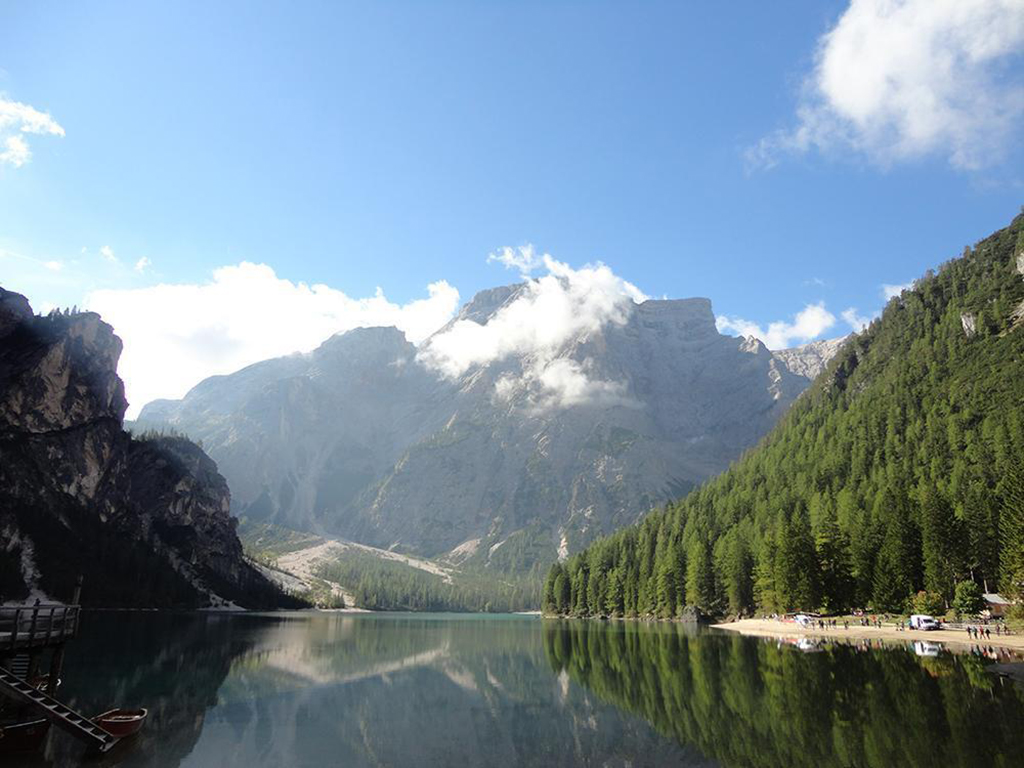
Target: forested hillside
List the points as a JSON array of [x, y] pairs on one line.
[[898, 471]]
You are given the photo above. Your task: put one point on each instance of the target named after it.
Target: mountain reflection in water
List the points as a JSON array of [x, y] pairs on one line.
[[307, 689]]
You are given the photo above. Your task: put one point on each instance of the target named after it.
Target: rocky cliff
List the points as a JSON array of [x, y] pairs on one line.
[[810, 359], [146, 521], [362, 439]]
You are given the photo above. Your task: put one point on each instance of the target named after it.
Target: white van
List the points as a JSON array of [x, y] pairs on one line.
[[923, 621]]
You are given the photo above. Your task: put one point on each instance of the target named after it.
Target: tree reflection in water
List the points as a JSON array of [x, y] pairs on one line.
[[746, 702]]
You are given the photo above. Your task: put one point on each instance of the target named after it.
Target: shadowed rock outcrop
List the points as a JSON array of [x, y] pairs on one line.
[[146, 521]]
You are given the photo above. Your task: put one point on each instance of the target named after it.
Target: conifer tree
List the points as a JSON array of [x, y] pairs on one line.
[[1011, 530], [700, 577], [833, 555], [941, 543], [893, 583]]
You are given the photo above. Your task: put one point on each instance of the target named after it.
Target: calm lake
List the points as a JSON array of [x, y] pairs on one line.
[[306, 689]]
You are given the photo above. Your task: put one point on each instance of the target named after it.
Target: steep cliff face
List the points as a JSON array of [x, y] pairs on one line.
[[145, 521], [360, 438]]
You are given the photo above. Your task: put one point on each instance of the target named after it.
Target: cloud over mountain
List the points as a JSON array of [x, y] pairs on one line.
[[536, 324], [809, 323], [175, 335]]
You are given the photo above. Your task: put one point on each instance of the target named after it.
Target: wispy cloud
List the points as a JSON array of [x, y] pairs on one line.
[[859, 322], [17, 120], [855, 320], [143, 264], [900, 79], [889, 290], [808, 324], [108, 253], [522, 259], [177, 334]]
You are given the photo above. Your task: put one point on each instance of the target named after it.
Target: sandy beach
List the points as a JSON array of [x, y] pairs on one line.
[[888, 632]]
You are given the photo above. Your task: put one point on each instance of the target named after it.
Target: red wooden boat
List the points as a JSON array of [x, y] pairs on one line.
[[23, 737], [122, 722]]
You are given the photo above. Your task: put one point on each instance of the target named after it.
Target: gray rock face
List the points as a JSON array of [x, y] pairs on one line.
[[147, 521], [810, 359], [360, 439]]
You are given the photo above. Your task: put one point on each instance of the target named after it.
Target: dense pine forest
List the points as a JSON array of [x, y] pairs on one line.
[[895, 482], [383, 585]]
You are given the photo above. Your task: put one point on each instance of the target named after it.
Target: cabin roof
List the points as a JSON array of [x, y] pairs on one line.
[[995, 598]]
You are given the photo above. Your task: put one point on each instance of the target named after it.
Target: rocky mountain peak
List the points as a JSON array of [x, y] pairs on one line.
[[360, 341], [145, 520], [14, 309], [57, 371], [691, 318], [485, 303], [810, 359]]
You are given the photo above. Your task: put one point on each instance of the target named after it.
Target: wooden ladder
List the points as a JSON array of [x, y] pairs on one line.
[[63, 717]]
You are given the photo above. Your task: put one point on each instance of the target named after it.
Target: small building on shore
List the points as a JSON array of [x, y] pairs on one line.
[[996, 604]]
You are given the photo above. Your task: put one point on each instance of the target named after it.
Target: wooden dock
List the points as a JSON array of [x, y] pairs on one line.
[[26, 633], [59, 714], [32, 628]]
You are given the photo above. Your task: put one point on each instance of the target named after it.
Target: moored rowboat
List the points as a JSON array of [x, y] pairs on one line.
[[122, 722]]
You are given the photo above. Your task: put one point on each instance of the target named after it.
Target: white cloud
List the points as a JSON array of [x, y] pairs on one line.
[[538, 326], [142, 264], [108, 253], [859, 322], [809, 323], [900, 79], [523, 259], [16, 151], [176, 335], [17, 120], [890, 290], [566, 383], [855, 320]]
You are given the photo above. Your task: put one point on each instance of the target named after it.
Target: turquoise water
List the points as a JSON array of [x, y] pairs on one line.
[[453, 690]]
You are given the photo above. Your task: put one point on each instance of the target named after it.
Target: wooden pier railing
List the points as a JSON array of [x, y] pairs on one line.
[[37, 626]]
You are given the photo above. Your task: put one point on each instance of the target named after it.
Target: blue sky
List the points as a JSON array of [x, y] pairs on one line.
[[736, 154]]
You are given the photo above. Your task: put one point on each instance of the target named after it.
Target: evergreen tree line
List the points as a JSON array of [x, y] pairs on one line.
[[897, 476], [384, 585]]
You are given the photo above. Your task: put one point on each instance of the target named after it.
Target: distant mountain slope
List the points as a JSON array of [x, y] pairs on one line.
[[810, 359], [899, 470], [362, 440], [146, 521]]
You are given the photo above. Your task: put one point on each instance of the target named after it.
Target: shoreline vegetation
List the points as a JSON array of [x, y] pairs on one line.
[[887, 632]]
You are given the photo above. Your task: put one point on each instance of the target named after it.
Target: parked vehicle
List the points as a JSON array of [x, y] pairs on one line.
[[923, 621]]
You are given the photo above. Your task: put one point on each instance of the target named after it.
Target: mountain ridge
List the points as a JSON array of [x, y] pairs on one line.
[[369, 438]]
